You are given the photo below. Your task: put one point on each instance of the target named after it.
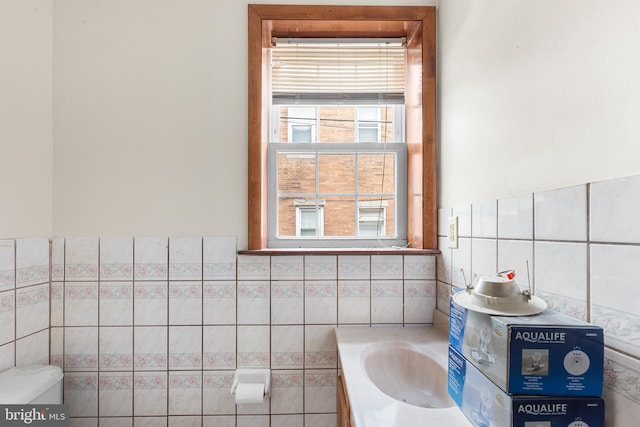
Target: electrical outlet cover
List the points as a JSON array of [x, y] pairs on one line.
[[453, 232]]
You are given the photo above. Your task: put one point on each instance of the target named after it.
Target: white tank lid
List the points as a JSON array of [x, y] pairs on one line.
[[22, 384]]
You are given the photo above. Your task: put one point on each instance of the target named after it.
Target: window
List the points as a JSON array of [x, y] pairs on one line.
[[369, 124], [342, 180], [417, 24], [309, 221], [340, 145], [371, 221], [301, 122]]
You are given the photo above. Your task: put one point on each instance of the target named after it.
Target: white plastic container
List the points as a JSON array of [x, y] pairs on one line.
[[36, 384]]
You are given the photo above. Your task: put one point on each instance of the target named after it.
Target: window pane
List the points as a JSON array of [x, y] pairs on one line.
[[299, 123], [376, 173], [371, 222], [344, 209], [376, 215], [368, 114], [307, 232], [286, 217], [340, 218], [369, 229], [368, 134], [295, 220], [337, 173], [308, 219], [336, 124], [370, 214], [296, 173], [300, 133], [308, 224]]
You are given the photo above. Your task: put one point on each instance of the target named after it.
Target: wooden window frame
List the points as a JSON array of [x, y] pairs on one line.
[[418, 24]]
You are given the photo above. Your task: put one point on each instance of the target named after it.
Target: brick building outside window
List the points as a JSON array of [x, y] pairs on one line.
[[337, 146]]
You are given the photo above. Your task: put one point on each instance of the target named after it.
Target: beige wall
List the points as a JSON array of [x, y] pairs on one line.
[[150, 115], [149, 127], [536, 95], [25, 118]]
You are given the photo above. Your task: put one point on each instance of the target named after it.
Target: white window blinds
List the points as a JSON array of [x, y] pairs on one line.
[[338, 73]]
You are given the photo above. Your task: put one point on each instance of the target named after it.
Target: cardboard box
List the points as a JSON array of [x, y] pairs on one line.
[[544, 354], [487, 405]]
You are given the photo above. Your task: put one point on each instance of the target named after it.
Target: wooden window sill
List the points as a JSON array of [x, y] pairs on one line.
[[340, 251]]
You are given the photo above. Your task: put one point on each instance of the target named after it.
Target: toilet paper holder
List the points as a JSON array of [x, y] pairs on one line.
[[260, 376]]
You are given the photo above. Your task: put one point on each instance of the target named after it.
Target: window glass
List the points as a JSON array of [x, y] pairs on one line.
[[371, 222], [301, 123], [309, 222], [368, 124], [330, 157]]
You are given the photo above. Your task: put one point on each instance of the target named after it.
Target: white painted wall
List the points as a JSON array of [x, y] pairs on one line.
[[149, 108], [536, 95], [150, 116], [25, 118]]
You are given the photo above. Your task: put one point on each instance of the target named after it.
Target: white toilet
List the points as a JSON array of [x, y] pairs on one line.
[[36, 384]]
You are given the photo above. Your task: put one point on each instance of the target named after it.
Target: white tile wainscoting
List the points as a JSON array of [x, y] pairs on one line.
[[582, 247], [24, 301], [150, 329]]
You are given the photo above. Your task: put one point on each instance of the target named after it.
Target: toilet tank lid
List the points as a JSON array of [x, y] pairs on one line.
[[22, 384]]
